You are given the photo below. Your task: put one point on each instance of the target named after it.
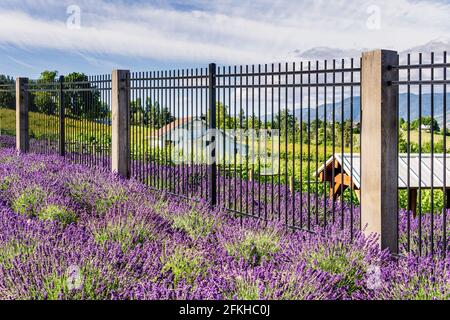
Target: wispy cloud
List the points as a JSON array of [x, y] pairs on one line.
[[228, 31], [22, 63]]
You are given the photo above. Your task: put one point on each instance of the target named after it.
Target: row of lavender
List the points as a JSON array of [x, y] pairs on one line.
[[268, 201], [70, 232]]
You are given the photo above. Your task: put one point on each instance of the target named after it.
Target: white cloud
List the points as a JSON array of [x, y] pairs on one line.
[[226, 31]]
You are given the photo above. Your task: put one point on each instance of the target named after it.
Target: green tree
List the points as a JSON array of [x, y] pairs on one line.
[[154, 115], [45, 102], [348, 132], [86, 102], [427, 121], [7, 99], [286, 123], [223, 118]]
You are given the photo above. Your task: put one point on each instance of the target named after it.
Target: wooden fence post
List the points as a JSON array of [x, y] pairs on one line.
[[22, 139], [379, 147], [120, 149]]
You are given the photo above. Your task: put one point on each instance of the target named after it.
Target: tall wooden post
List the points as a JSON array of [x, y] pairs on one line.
[[120, 149], [379, 147], [22, 139]]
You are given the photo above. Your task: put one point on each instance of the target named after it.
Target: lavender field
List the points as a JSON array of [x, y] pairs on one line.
[[69, 232]]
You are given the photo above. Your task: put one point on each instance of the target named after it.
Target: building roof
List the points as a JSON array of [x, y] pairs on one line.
[[352, 169], [171, 126]]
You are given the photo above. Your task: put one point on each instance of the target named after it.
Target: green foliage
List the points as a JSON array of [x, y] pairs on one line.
[[339, 260], [86, 103], [111, 198], [14, 249], [7, 99], [28, 201], [101, 200], [56, 213], [427, 121], [150, 114], [183, 263], [415, 148], [223, 118], [255, 246], [125, 231], [424, 201], [194, 224], [4, 185], [101, 140], [89, 284], [246, 289], [285, 121], [421, 287], [45, 102]]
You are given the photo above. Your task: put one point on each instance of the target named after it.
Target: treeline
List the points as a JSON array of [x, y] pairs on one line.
[[85, 103], [7, 99], [425, 124]]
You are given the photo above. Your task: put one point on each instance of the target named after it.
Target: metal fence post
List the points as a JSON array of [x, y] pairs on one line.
[[120, 149], [379, 147], [212, 169], [62, 117], [22, 139]]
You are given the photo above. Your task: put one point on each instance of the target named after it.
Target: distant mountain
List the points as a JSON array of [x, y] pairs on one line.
[[403, 109], [328, 53]]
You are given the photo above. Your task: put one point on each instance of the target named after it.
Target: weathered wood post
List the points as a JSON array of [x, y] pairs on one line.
[[120, 149], [22, 139], [379, 147]]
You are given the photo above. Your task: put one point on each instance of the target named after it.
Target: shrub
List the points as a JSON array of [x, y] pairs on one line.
[[126, 231], [15, 249], [194, 224], [336, 258], [28, 201], [56, 213], [4, 185], [183, 264], [246, 289], [94, 197], [86, 283], [255, 246]]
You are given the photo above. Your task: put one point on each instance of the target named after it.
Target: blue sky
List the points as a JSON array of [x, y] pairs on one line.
[[163, 34]]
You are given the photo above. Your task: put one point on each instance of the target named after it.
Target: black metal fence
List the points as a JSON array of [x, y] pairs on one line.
[[44, 105], [423, 146], [161, 103], [7, 106], [276, 130], [80, 127], [274, 141], [87, 120]]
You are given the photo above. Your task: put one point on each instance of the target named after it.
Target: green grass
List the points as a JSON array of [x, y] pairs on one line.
[[426, 137]]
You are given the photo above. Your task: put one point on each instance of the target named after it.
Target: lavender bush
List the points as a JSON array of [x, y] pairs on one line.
[[69, 232]]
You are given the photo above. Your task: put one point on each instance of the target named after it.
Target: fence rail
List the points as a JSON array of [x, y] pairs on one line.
[[311, 144]]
